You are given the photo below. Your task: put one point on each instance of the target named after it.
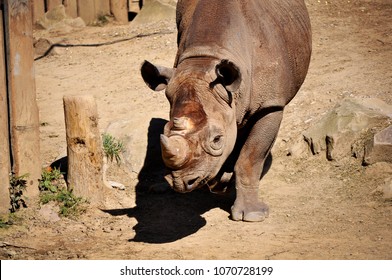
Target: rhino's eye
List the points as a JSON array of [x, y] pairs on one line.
[[217, 142]]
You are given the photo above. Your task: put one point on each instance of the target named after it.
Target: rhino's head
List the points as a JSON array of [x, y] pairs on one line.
[[202, 129]]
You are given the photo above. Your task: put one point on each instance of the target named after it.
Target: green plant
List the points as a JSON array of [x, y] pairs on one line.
[[4, 224], [9, 219], [102, 20], [112, 147], [17, 186], [50, 179], [53, 188]]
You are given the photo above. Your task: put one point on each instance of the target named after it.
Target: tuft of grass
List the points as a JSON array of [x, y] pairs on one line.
[[17, 185], [53, 188], [112, 147], [4, 224]]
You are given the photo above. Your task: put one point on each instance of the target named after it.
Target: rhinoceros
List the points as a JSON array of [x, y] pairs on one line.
[[238, 64]]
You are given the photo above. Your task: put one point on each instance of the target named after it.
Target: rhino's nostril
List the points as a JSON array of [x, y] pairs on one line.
[[190, 183]]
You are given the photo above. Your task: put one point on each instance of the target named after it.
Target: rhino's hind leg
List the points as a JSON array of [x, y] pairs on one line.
[[249, 167]]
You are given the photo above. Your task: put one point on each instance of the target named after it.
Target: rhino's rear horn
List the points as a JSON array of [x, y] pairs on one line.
[[180, 123], [175, 151]]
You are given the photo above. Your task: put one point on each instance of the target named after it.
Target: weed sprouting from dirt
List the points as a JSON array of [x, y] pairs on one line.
[[53, 188], [17, 186], [4, 224], [112, 147]]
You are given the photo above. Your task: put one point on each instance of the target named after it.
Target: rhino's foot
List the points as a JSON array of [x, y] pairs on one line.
[[253, 212]]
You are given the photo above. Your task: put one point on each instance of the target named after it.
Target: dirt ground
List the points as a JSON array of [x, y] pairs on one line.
[[319, 209]]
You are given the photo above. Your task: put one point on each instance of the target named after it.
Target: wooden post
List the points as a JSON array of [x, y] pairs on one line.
[[84, 146], [86, 10], [119, 9], [71, 8], [23, 109], [50, 4], [102, 7], [38, 9], [5, 157]]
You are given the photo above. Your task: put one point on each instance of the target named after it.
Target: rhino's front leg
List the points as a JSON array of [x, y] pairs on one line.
[[249, 167]]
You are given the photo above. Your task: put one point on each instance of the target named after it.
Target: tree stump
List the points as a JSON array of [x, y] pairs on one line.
[[84, 147]]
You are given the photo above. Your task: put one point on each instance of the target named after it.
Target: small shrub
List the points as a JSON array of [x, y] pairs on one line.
[[17, 186], [112, 147], [53, 188], [50, 179]]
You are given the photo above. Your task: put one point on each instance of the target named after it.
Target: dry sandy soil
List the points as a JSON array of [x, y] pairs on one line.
[[319, 209]]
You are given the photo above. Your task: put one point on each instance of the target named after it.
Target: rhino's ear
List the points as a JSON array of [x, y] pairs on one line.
[[156, 77], [229, 75]]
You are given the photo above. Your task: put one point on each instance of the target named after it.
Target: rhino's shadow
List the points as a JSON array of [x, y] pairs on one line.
[[169, 216]]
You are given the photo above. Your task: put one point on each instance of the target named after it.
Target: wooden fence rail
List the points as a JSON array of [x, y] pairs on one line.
[[88, 10], [19, 123], [19, 117]]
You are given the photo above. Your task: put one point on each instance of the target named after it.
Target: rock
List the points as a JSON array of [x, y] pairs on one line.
[[156, 10], [116, 185], [384, 190], [347, 128], [56, 20], [43, 45], [142, 151], [50, 212], [379, 148], [387, 189]]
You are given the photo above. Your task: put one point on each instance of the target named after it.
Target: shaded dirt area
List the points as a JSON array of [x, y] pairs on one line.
[[319, 209]]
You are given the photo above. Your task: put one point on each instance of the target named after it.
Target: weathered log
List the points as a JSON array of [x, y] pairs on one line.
[[23, 109], [5, 165], [84, 147]]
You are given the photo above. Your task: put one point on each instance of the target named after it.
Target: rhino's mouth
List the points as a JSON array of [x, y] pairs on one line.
[[184, 184]]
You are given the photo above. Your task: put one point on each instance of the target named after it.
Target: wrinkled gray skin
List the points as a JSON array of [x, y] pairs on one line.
[[238, 64]]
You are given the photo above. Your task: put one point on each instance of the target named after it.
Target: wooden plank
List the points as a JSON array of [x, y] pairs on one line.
[[23, 109], [5, 157], [84, 147], [50, 4], [86, 10], [38, 9], [102, 7], [119, 9], [71, 8]]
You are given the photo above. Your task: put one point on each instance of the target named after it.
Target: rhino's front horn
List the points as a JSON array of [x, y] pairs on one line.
[[175, 151]]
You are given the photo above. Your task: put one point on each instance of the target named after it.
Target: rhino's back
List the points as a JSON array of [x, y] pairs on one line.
[[270, 40]]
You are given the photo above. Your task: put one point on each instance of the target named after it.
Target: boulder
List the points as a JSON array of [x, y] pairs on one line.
[[349, 128], [56, 20], [379, 148], [156, 10], [142, 150], [384, 190]]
